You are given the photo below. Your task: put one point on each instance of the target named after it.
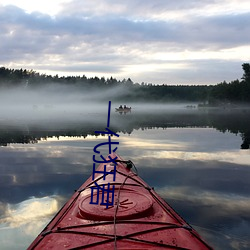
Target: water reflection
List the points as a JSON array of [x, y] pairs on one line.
[[82, 125], [20, 222], [28, 211], [195, 166]]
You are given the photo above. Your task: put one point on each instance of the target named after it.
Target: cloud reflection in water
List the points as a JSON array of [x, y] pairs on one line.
[[25, 220], [199, 171]]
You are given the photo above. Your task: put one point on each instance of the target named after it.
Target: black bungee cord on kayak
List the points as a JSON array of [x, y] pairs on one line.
[[129, 165]]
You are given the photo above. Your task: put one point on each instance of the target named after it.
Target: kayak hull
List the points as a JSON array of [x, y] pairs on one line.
[[138, 219]]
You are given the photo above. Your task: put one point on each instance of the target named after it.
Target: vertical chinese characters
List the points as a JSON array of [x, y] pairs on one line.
[[105, 189]]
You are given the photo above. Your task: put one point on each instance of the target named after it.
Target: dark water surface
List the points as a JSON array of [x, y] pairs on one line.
[[193, 158]]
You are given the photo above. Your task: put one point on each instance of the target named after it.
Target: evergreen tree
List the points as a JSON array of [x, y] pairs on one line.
[[246, 69]]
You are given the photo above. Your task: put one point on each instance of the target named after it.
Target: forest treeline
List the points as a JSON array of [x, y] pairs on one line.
[[236, 91]]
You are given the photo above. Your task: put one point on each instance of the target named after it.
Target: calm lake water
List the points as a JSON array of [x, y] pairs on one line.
[[197, 160]]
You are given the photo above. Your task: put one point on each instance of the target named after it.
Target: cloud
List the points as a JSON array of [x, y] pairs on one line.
[[225, 31], [144, 10], [115, 38]]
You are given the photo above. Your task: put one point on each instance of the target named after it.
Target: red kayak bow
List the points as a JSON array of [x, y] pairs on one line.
[[138, 219]]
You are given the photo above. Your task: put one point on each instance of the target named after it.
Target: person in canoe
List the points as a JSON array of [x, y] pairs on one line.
[[122, 109]]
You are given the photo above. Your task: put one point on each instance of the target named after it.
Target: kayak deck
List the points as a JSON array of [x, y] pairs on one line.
[[138, 219]]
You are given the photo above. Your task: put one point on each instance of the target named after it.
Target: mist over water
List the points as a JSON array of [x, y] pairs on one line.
[[47, 103], [64, 103], [56, 110]]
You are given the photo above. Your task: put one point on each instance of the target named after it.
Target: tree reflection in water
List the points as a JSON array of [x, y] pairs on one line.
[[234, 121]]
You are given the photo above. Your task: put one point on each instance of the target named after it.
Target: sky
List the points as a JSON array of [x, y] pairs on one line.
[[152, 41]]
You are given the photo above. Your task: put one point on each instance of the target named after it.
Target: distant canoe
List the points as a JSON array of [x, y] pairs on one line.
[[123, 109]]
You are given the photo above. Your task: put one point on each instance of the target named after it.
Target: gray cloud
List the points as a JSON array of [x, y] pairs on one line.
[[205, 30], [133, 8], [107, 39], [223, 31]]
